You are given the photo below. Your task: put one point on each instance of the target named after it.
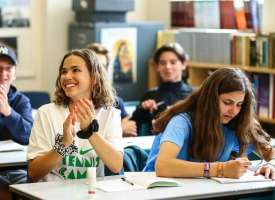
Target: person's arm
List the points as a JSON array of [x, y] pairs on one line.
[[39, 166], [141, 115], [268, 169], [129, 127], [42, 165], [112, 158], [167, 165], [19, 122]]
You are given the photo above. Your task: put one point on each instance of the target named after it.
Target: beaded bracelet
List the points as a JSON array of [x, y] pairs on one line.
[[61, 149], [206, 169], [220, 170]]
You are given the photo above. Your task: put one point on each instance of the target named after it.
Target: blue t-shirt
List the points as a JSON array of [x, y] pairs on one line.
[[121, 107], [179, 131]]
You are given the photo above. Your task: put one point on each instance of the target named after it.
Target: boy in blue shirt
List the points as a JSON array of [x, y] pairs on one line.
[[15, 116]]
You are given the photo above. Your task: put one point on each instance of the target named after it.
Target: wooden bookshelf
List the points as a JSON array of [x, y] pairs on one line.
[[267, 120], [263, 70], [198, 71]]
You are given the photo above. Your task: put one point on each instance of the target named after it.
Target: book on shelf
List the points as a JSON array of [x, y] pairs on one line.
[[224, 14], [271, 53], [248, 14], [227, 15], [240, 16], [249, 176], [182, 13], [255, 15], [136, 181], [166, 36], [263, 95], [207, 14]]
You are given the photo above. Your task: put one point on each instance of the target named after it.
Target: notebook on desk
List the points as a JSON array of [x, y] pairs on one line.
[[149, 180], [9, 145], [247, 177], [136, 181]]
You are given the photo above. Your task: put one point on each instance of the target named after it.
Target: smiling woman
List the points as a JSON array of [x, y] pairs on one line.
[[196, 136], [81, 128], [75, 78]]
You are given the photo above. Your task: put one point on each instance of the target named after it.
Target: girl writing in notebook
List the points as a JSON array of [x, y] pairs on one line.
[[198, 134], [81, 128]]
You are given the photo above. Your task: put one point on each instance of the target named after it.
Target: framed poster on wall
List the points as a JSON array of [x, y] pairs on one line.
[[15, 13], [122, 45]]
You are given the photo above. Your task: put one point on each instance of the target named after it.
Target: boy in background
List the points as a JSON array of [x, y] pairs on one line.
[[128, 126], [15, 116]]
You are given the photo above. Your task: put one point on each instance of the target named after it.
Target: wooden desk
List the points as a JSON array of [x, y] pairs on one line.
[[191, 189], [18, 159], [144, 142], [13, 157]]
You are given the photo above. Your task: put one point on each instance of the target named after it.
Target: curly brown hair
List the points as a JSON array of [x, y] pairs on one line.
[[203, 106], [102, 93]]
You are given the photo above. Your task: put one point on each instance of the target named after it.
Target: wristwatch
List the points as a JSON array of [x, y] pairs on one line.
[[88, 132]]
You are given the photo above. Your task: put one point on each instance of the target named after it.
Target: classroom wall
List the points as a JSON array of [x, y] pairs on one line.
[[43, 45], [58, 14], [29, 44], [268, 16], [141, 11], [159, 10]]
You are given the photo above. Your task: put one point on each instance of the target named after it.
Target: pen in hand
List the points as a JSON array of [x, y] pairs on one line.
[[127, 181]]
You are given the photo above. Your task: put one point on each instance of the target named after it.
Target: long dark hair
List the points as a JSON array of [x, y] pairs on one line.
[[207, 139], [102, 93]]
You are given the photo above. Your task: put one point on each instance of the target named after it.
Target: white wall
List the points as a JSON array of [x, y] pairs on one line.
[[268, 16], [58, 15], [29, 41], [141, 11], [41, 50], [159, 10]]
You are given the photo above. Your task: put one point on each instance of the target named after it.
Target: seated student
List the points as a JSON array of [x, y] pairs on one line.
[[15, 108], [15, 115], [198, 134], [80, 129], [171, 62], [129, 127]]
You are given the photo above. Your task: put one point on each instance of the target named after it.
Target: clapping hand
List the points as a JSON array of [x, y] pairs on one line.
[[68, 128], [85, 112], [5, 108]]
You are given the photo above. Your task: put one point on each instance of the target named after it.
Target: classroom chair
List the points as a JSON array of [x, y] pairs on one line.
[[37, 98], [134, 159]]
